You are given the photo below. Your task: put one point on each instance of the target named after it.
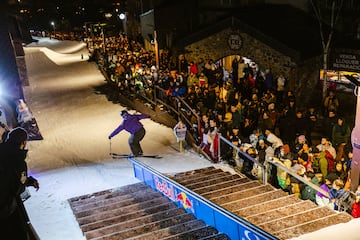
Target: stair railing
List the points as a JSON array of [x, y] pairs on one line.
[[295, 175], [243, 156]]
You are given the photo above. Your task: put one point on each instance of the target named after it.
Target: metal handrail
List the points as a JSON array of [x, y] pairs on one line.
[[298, 177], [247, 156]]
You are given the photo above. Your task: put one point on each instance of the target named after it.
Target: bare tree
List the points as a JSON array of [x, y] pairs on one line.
[[336, 6]]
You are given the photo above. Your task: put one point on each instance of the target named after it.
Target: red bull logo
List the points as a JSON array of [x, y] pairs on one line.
[[185, 201], [164, 188]]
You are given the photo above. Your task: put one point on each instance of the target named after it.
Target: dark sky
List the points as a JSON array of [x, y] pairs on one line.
[[67, 14]]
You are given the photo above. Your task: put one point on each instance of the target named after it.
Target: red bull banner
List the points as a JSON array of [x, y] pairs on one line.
[[175, 194], [224, 221]]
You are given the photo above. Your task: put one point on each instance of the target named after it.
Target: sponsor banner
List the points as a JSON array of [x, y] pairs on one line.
[[213, 215], [345, 62]]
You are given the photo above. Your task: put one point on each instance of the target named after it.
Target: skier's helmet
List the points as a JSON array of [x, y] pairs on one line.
[[17, 136], [123, 113]]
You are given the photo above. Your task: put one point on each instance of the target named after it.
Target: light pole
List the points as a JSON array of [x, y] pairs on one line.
[[123, 18], [53, 24], [156, 51]]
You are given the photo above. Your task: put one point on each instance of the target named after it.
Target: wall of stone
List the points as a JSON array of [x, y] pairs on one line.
[[217, 46], [303, 77]]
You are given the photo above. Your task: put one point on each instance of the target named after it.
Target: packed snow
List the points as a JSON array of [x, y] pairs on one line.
[[73, 158]]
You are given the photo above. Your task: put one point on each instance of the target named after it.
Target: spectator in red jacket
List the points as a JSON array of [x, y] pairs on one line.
[[355, 212]]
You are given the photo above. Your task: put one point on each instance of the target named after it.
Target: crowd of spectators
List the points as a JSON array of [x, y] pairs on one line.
[[253, 108]]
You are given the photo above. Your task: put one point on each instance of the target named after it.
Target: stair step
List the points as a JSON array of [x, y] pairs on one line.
[[100, 214], [122, 214], [131, 228], [220, 185], [230, 189], [111, 199], [196, 171], [193, 176], [253, 200], [198, 233], [133, 220], [281, 212], [148, 232], [204, 183], [128, 202], [296, 219], [312, 226], [200, 178], [220, 236], [106, 194], [267, 205], [242, 193]]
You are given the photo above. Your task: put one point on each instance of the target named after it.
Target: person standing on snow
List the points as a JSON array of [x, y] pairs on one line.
[[13, 171], [131, 123]]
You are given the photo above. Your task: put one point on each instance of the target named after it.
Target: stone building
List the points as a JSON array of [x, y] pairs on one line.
[[277, 37]]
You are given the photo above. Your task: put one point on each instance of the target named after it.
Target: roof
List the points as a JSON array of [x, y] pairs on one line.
[[289, 30], [290, 26]]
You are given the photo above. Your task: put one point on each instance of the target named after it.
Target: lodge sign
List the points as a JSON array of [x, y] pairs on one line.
[[235, 41], [345, 62]]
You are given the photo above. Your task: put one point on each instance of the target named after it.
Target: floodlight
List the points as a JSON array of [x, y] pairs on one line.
[[122, 16]]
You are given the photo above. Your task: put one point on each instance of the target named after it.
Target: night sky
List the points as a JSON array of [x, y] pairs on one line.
[[67, 15]]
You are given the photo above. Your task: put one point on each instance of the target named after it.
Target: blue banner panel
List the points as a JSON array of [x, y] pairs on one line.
[[148, 178], [226, 225], [205, 213], [226, 222], [138, 172]]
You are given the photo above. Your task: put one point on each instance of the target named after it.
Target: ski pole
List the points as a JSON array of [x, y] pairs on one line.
[[110, 147]]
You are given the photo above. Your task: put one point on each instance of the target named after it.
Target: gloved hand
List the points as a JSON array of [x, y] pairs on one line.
[[32, 182]]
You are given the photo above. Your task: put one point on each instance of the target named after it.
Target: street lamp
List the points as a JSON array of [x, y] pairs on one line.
[[53, 24], [123, 18]]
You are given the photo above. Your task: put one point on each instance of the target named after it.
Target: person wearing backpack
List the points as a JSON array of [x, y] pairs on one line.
[[307, 192], [13, 176]]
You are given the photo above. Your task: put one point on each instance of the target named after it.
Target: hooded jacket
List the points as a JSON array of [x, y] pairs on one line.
[[13, 169], [131, 123]]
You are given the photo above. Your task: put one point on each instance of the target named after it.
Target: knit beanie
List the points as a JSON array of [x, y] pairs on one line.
[[17, 136]]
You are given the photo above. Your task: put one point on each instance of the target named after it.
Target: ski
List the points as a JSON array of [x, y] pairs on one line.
[[121, 155]]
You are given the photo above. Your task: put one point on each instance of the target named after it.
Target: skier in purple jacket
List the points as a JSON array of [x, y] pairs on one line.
[[131, 123]]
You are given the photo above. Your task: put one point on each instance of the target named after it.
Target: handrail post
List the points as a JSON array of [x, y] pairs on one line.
[[265, 173], [155, 89], [219, 150]]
